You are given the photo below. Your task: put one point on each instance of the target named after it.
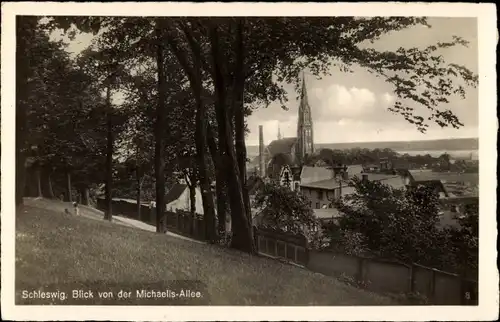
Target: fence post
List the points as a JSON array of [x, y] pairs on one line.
[[192, 230], [256, 239], [433, 286], [412, 278], [359, 274]]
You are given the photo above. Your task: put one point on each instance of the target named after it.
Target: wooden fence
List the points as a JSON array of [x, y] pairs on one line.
[[282, 245], [439, 287], [183, 223], [179, 222]]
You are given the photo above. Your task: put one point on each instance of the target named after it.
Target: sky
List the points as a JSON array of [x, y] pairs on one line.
[[353, 107]]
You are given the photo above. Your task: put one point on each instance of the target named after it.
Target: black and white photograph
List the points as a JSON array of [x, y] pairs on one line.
[[256, 159]]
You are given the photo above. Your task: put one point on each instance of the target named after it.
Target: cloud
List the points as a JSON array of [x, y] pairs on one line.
[[337, 102]]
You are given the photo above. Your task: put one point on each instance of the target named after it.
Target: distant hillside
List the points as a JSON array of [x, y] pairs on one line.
[[400, 146]]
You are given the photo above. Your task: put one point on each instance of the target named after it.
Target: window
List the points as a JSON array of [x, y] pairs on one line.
[[317, 205], [320, 194]]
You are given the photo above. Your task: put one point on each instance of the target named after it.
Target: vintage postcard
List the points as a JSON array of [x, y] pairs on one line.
[[249, 161]]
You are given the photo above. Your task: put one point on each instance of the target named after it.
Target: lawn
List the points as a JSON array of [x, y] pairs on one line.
[[56, 252]]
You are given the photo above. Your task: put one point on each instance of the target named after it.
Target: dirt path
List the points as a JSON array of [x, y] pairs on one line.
[[92, 213]]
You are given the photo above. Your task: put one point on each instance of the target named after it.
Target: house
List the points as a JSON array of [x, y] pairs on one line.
[[178, 198], [313, 174], [322, 193], [447, 184], [429, 175], [290, 176]]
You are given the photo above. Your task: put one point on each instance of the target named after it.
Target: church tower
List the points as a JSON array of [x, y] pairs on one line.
[[305, 141]]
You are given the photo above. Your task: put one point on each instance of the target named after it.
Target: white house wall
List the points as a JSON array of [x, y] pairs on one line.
[[184, 202]]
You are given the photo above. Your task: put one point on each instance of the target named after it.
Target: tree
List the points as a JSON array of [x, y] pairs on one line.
[[244, 61], [393, 223], [64, 128], [283, 209], [464, 242]]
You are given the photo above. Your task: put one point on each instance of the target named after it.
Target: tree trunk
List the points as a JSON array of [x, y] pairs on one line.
[[242, 235], [206, 191], [84, 193], [160, 116], [192, 202], [38, 175], [241, 151], [139, 191], [109, 157], [50, 188], [238, 113], [23, 25], [220, 182], [192, 199], [20, 165], [201, 146], [69, 196]]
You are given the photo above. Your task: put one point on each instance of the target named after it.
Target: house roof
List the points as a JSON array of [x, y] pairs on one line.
[[314, 174], [394, 181], [355, 169], [283, 146], [457, 200], [327, 184], [429, 175], [327, 213], [175, 192]]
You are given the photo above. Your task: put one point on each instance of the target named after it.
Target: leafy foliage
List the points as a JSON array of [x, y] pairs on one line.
[[284, 209], [464, 241], [236, 64], [404, 225]]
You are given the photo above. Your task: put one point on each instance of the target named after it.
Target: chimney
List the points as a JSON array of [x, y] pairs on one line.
[[345, 174], [261, 152]]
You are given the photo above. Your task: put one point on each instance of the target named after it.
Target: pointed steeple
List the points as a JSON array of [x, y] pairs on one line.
[[303, 96], [305, 126]]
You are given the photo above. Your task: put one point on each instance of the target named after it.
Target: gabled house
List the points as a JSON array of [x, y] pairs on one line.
[[290, 176], [321, 193], [178, 198]]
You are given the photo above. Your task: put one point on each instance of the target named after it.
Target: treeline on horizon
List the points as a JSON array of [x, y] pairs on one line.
[[423, 145]]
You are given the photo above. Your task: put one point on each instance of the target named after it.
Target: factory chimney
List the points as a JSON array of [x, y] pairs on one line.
[[262, 170]]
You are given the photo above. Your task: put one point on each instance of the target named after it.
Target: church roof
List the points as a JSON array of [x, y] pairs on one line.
[[283, 146]]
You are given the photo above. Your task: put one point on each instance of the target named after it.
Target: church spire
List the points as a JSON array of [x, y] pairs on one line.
[[279, 132], [303, 97], [305, 126]]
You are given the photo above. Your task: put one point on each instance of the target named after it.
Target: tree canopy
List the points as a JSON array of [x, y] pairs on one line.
[[191, 83]]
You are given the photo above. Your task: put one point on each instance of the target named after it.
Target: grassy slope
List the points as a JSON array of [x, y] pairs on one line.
[[54, 249]]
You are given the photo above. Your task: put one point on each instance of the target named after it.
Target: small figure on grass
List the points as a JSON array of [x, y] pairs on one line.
[[76, 209]]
